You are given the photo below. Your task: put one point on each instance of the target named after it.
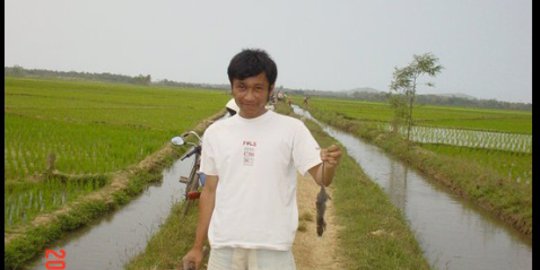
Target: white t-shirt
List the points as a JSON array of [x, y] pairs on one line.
[[256, 161], [231, 104]]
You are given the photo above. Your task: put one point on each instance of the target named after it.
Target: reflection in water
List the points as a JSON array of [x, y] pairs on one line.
[[453, 233], [397, 185]]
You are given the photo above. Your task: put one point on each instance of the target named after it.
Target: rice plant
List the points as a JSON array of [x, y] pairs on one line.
[[23, 201], [512, 142], [92, 128]]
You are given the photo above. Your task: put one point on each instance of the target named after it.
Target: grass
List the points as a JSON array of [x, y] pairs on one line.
[[24, 201], [79, 148], [94, 127], [512, 165]]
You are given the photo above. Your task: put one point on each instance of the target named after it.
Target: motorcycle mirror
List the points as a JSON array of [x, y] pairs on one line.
[[177, 141]]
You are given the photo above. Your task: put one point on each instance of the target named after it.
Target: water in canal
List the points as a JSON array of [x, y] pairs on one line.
[[452, 233]]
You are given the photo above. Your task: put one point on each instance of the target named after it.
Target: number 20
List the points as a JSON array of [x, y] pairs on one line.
[[56, 264]]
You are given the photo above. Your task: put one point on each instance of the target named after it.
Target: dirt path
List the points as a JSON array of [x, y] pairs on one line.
[[310, 250]]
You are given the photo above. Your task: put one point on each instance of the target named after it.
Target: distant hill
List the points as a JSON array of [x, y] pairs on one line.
[[364, 90], [369, 90], [457, 95]]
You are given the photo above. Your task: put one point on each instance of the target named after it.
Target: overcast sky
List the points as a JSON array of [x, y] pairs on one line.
[[485, 46]]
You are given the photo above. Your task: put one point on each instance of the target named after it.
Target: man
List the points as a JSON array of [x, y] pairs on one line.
[[248, 206]]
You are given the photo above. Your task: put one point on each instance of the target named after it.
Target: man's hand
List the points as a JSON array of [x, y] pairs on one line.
[[192, 260], [323, 173], [206, 207], [331, 155]]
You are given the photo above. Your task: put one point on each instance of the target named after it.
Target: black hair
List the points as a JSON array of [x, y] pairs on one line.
[[251, 62]]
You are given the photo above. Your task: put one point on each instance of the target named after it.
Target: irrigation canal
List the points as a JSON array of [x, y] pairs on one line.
[[452, 233]]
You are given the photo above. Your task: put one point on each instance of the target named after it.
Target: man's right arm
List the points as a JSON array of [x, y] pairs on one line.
[[206, 207]]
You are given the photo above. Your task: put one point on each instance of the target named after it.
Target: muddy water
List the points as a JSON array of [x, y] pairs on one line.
[[452, 233], [113, 240]]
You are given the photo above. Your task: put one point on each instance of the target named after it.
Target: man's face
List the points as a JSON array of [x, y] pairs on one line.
[[251, 95]]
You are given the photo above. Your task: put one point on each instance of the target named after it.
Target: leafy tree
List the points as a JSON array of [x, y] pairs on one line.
[[18, 71], [141, 79], [404, 85]]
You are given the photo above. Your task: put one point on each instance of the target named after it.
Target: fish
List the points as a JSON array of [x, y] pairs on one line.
[[320, 203]]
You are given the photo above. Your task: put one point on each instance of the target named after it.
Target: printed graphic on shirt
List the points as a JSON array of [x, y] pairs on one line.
[[249, 152]]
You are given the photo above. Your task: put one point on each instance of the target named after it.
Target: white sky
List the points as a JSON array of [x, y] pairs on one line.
[[485, 46]]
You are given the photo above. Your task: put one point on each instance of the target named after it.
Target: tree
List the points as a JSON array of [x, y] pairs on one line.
[[141, 79], [404, 85]]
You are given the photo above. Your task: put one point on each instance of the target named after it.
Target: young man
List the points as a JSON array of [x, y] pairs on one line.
[[248, 205]]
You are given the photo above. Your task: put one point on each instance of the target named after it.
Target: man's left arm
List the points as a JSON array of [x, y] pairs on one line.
[[330, 159]]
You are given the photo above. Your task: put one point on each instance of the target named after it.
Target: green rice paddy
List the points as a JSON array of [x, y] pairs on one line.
[[92, 128]]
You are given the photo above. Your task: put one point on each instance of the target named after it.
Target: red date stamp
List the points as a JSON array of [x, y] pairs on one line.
[[55, 260]]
